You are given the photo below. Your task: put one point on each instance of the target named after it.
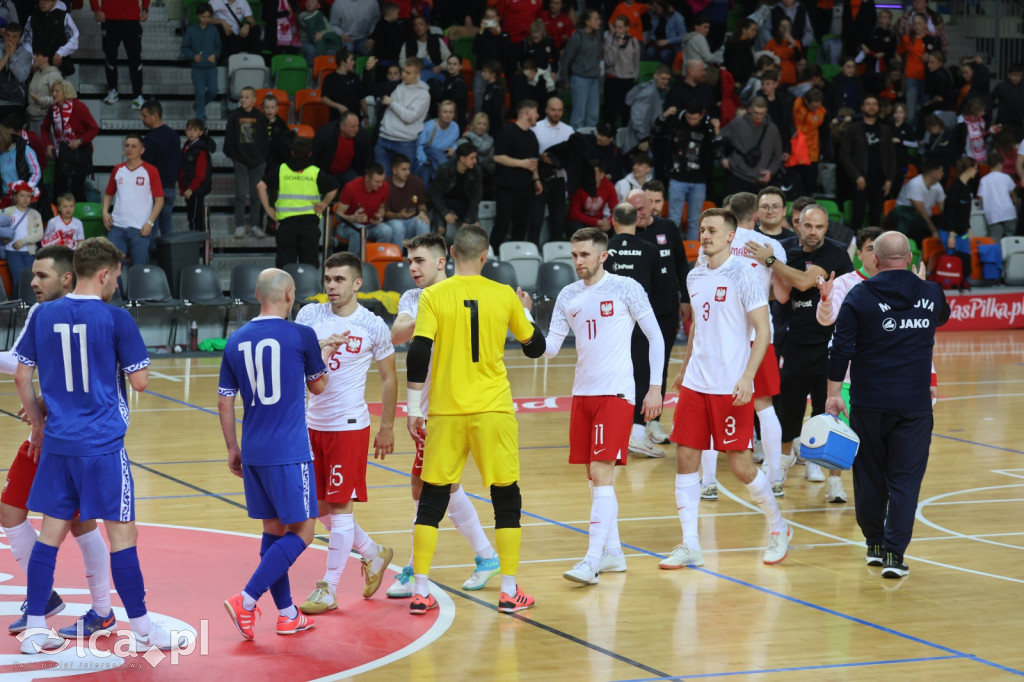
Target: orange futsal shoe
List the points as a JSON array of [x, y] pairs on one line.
[[289, 626], [242, 618], [420, 604], [511, 603]]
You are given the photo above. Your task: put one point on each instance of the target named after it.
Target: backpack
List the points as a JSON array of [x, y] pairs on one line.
[[991, 258], [949, 272]]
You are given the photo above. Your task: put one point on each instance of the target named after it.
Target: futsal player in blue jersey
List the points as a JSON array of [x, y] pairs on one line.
[[84, 347], [270, 362]]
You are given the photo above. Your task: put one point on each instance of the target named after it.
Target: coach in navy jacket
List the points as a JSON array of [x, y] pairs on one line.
[[885, 333]]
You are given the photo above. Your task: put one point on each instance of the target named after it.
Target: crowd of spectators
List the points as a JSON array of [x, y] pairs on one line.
[[709, 102]]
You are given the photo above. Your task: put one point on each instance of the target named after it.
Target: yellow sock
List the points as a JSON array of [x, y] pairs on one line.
[[507, 540], [424, 542]]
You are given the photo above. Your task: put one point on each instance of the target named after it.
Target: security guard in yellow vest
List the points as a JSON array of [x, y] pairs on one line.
[[303, 193]]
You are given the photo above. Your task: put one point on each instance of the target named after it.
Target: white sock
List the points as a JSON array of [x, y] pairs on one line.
[[338, 547], [22, 538], [771, 441], [603, 511], [142, 626], [709, 467], [508, 584], [638, 432], [688, 507], [364, 545], [761, 490], [248, 602], [96, 558], [466, 521], [33, 622], [415, 511], [420, 585], [291, 613], [326, 520]]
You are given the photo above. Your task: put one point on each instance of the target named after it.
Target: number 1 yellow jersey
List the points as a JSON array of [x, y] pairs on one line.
[[467, 319]]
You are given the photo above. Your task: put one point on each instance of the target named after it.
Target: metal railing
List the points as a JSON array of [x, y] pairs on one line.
[[996, 28]]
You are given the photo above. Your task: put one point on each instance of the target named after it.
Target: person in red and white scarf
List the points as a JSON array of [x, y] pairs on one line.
[[68, 128]]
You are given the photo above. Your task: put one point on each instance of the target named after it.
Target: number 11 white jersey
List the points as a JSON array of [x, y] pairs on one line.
[[721, 298], [602, 317]]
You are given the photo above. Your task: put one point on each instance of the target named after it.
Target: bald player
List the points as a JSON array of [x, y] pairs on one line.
[[271, 361]]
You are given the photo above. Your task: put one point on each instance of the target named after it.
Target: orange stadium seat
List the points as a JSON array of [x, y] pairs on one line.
[[283, 101]]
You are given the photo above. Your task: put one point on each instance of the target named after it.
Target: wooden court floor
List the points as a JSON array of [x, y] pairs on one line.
[[821, 615]]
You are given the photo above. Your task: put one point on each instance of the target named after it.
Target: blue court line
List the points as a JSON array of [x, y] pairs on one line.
[[801, 668], [980, 445], [953, 653], [175, 497]]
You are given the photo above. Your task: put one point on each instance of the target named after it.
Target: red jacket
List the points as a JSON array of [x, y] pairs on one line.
[[516, 17], [119, 10], [83, 125], [589, 209]]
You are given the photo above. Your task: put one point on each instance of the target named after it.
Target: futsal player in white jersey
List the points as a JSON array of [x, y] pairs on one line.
[[601, 308], [766, 382], [716, 383], [427, 256], [339, 424]]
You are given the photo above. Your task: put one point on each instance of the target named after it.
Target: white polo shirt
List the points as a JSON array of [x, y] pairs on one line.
[[133, 192]]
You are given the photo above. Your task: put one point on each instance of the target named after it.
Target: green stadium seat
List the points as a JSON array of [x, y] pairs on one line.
[[647, 71], [289, 72], [91, 215]]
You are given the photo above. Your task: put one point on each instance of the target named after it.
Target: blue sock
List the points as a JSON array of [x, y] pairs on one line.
[[275, 564], [127, 575], [281, 591], [41, 564]]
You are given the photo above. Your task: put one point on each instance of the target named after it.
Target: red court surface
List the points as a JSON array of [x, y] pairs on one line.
[[189, 572]]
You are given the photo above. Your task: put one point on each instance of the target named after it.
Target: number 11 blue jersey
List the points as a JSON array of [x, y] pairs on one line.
[[83, 348], [268, 361]]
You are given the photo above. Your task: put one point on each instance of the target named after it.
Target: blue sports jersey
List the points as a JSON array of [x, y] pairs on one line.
[[83, 348], [269, 361]]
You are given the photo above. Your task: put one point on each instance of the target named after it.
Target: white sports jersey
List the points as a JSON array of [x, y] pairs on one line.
[[342, 405], [721, 299], [410, 305], [602, 318], [743, 235]]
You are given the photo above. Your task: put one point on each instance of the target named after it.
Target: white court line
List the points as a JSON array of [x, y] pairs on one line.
[[919, 516], [160, 375], [722, 490], [976, 397]]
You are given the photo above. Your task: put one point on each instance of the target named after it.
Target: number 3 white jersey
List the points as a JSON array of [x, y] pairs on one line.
[[342, 405], [721, 299], [409, 304], [602, 318]]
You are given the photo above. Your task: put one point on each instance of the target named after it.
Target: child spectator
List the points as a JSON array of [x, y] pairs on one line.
[[64, 228], [39, 97], [642, 165], [877, 51], [541, 49], [557, 23], [621, 54], [996, 191], [586, 210], [528, 84], [493, 101], [764, 63], [26, 226], [969, 135], [808, 116], [196, 172], [201, 47], [246, 144], [388, 36], [436, 142], [788, 49], [315, 32], [278, 134]]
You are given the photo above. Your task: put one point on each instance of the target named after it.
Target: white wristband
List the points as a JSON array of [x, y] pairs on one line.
[[529, 317], [413, 402]]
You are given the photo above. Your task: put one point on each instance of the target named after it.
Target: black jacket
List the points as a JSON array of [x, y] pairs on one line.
[[633, 257], [668, 280], [433, 48], [447, 178], [325, 144], [688, 152], [203, 147], [886, 332], [853, 153]]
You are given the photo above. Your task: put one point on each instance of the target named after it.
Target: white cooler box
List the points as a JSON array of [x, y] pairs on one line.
[[828, 442]]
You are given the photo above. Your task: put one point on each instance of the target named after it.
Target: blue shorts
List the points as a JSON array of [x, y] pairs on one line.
[[286, 492], [96, 487]]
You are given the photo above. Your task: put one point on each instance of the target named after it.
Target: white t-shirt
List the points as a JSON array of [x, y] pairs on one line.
[[549, 135], [342, 405], [916, 191], [601, 317], [239, 9], [743, 235], [721, 299], [409, 304], [133, 192], [994, 190]]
